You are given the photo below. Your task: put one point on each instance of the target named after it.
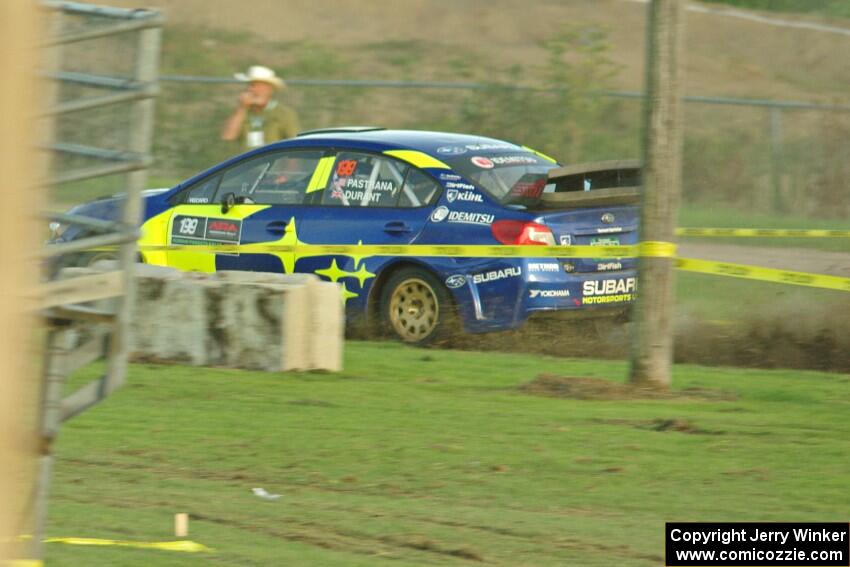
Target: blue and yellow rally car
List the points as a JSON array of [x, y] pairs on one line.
[[377, 186]]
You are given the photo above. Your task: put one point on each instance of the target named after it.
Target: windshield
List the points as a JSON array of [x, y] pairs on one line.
[[515, 178]]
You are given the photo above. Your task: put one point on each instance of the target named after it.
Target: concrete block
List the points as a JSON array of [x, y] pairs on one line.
[[251, 320]]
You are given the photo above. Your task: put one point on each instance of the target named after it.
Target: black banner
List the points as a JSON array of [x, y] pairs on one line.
[[764, 544], [187, 229]]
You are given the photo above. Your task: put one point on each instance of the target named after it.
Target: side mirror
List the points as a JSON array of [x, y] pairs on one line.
[[228, 202]]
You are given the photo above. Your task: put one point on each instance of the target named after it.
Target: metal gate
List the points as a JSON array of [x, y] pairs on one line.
[[87, 315]]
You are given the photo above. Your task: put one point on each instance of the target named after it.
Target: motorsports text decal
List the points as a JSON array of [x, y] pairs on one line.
[[609, 291]]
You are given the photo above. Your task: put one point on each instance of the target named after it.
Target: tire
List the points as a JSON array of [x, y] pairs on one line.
[[417, 308]]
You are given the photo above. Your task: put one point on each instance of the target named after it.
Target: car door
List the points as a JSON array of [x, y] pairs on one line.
[[279, 187], [249, 203], [368, 199]]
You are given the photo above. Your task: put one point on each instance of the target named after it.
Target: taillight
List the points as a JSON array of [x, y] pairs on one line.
[[521, 232]]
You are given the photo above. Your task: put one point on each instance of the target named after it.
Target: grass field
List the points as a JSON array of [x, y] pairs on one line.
[[417, 457], [828, 8]]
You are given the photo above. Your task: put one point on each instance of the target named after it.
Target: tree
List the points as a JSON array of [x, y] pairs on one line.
[[652, 349]]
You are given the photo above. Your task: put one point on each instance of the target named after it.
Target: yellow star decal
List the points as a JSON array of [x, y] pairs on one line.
[[333, 273], [346, 295], [362, 274]]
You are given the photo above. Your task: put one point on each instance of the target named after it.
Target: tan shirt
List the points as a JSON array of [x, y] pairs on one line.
[[275, 122]]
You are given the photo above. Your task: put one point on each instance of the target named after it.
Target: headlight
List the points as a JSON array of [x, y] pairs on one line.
[[57, 229]]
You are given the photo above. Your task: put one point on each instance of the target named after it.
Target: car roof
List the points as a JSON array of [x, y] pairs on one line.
[[381, 139], [365, 138]]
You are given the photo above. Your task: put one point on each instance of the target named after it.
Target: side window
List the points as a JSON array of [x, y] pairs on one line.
[[364, 180], [419, 190], [274, 179], [202, 192]]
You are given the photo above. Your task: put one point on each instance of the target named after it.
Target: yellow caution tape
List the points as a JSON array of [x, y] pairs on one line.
[[442, 250], [763, 274], [180, 545], [763, 232], [644, 249], [24, 563], [650, 249]]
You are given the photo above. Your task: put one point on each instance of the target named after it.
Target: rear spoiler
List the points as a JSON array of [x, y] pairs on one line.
[[601, 183]]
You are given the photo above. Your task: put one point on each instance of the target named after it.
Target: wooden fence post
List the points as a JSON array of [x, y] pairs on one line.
[[20, 240]]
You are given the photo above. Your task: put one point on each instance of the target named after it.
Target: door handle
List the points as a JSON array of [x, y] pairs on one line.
[[397, 227], [276, 227]]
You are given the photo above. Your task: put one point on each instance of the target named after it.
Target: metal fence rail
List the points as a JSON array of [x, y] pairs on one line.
[[364, 83], [70, 346]]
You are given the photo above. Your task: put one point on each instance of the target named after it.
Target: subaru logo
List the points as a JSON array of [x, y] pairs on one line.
[[608, 218], [566, 240], [455, 281]]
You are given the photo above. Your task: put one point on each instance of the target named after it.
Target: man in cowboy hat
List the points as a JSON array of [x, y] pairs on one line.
[[259, 119]]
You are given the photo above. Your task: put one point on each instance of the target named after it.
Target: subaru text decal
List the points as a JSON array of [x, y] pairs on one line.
[[496, 275]]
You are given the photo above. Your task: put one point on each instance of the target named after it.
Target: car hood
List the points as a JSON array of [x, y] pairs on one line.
[[105, 208]]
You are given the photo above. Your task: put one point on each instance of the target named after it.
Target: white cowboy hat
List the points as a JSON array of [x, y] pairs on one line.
[[258, 73]]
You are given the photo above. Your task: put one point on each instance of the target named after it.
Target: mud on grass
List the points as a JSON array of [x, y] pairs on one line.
[[599, 389], [799, 336]]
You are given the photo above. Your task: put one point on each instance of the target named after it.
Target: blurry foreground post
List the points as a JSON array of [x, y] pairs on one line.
[[19, 245], [652, 351]]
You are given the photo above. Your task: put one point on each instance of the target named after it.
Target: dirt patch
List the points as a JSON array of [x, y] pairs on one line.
[[792, 334], [805, 337], [580, 388], [677, 426], [663, 425]]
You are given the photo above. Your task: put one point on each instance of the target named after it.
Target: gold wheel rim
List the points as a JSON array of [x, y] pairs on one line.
[[414, 311]]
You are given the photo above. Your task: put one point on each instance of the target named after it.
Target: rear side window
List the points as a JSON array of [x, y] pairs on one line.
[[512, 178], [418, 190], [364, 180]]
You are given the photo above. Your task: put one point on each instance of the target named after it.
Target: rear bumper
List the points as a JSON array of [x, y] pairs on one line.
[[542, 294], [589, 292]]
